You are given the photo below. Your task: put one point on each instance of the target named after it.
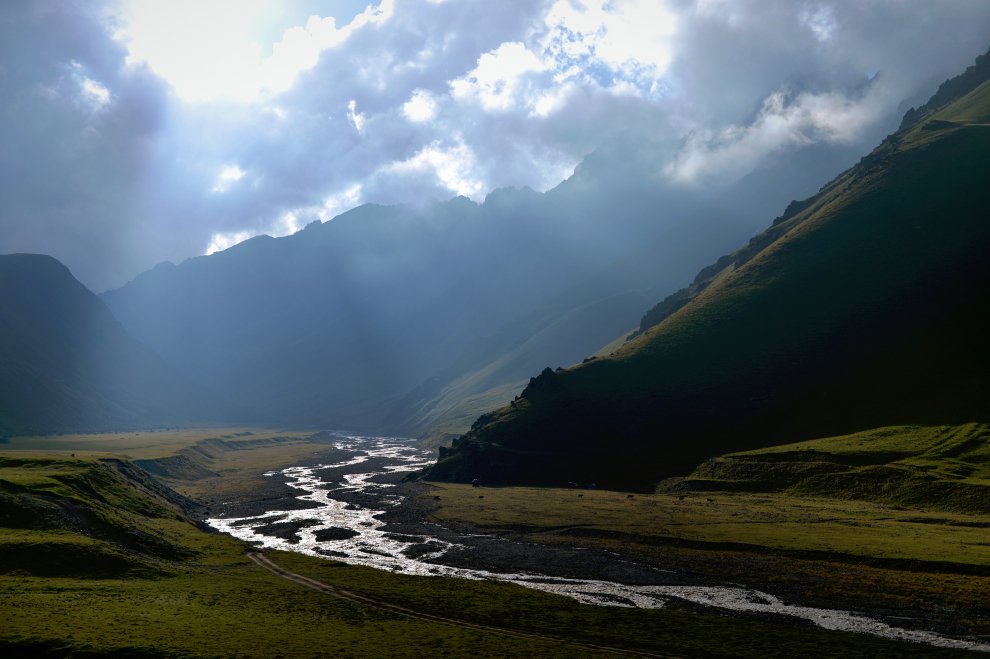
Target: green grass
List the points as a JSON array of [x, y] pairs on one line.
[[236, 609], [945, 468], [675, 632], [761, 520], [208, 464], [230, 609], [110, 565], [829, 552], [147, 444], [955, 451], [896, 516], [974, 108]]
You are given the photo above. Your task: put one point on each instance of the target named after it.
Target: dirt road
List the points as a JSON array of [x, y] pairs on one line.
[[325, 588]]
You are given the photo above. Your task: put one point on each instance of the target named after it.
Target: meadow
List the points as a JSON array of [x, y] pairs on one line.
[[110, 562]]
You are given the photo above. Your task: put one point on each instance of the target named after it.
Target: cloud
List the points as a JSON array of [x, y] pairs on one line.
[[494, 82], [229, 175], [783, 121], [451, 166], [820, 19], [206, 50], [340, 202], [355, 117], [222, 241], [131, 138], [632, 40], [420, 107], [95, 95]]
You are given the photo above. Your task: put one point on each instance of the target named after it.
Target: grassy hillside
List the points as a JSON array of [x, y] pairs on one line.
[[98, 559], [893, 519], [85, 518], [938, 468], [865, 306]]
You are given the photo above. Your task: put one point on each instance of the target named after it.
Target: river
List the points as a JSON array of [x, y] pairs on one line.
[[348, 519]]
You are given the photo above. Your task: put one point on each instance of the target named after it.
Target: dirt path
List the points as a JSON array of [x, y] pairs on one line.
[[266, 563]]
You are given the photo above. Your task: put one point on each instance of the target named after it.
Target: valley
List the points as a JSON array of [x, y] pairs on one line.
[[676, 547], [579, 328]]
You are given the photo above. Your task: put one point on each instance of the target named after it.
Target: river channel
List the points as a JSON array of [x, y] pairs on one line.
[[346, 511]]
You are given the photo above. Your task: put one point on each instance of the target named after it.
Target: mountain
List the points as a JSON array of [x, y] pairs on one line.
[[605, 302], [67, 364], [866, 305], [414, 319]]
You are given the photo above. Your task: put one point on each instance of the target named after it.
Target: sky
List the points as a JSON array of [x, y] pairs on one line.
[[139, 131]]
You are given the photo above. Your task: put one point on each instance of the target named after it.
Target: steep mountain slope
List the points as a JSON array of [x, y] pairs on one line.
[[413, 320], [564, 330], [576, 323], [65, 363], [336, 324], [867, 305], [323, 326]]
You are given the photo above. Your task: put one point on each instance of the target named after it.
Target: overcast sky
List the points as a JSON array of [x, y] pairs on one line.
[[137, 131]]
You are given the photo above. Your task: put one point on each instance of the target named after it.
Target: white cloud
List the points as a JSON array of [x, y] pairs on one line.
[[92, 94], [300, 47], [95, 94], [550, 101], [228, 176], [207, 50], [422, 106], [341, 202], [632, 39], [782, 122], [355, 117], [494, 82], [452, 166], [430, 100], [214, 55], [222, 241], [287, 224]]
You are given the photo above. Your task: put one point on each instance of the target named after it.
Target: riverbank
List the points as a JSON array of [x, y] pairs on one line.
[[211, 580], [364, 516], [911, 569]]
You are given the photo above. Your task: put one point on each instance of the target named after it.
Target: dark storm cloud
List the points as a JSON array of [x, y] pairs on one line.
[[755, 77], [77, 134], [108, 170]]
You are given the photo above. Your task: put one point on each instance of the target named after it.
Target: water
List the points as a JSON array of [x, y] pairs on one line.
[[351, 496]]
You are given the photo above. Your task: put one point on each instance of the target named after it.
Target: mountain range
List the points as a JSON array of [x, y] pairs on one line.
[[865, 305], [416, 319], [66, 364]]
